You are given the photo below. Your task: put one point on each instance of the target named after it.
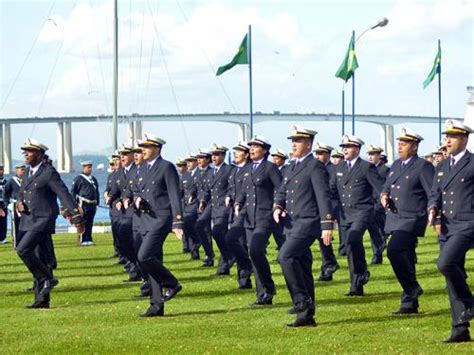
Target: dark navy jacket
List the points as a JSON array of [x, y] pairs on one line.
[[453, 196], [159, 189], [408, 188], [355, 189], [258, 192], [215, 191], [306, 196], [39, 193]]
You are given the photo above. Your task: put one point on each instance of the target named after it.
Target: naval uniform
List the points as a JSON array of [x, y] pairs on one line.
[[203, 222], [376, 227], [40, 189], [3, 206], [85, 190], [214, 193], [122, 179], [235, 237], [306, 197], [452, 196], [190, 210], [355, 182], [12, 190], [260, 183], [408, 186], [159, 212], [278, 234], [113, 213]]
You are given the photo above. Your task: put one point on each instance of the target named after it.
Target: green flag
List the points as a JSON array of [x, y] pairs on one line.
[[349, 64], [240, 58], [435, 70]]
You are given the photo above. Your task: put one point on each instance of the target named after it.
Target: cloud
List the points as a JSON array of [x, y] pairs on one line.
[[410, 19]]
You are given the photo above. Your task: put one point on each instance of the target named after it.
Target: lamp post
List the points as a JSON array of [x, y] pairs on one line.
[[380, 23]]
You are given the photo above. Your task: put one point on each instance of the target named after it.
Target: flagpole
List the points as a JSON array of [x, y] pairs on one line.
[[353, 89], [250, 78], [343, 117], [439, 93]]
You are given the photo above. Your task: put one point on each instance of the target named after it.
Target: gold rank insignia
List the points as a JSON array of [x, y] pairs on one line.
[[140, 179], [178, 216], [118, 181], [328, 216]]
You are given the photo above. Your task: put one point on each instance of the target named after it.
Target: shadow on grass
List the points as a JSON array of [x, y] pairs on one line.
[[387, 318]]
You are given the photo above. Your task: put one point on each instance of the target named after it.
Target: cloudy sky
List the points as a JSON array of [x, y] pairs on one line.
[[56, 60]]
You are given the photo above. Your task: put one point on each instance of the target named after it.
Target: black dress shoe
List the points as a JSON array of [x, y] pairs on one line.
[[186, 250], [265, 300], [171, 292], [38, 305], [195, 255], [245, 284], [463, 338], [145, 285], [122, 260], [406, 310], [222, 272], [363, 278], [48, 286], [302, 323], [467, 315], [355, 293], [324, 276], [376, 260], [208, 263], [153, 311], [292, 310]]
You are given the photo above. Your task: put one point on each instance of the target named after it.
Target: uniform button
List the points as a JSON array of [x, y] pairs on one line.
[[445, 202], [452, 193], [451, 212], [343, 195], [396, 198], [393, 186], [444, 211], [147, 190], [291, 201], [343, 204], [348, 195], [462, 180], [398, 186], [444, 192], [451, 202], [343, 187]]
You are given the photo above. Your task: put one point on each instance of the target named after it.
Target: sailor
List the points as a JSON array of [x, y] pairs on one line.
[[12, 190], [37, 204], [304, 202], [355, 182], [405, 197], [453, 215], [85, 190]]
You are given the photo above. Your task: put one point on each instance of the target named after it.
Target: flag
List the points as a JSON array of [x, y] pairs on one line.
[[240, 58], [349, 64], [435, 70]]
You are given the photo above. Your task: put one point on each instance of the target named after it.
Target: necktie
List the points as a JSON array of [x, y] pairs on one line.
[[255, 165], [149, 167], [349, 165], [452, 162], [30, 174], [215, 171]]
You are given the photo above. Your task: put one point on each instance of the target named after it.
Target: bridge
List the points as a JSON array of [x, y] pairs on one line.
[[134, 122]]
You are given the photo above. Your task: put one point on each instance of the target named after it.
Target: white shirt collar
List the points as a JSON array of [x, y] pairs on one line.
[[299, 160], [353, 161], [458, 156], [152, 162], [257, 161], [35, 169], [405, 162], [127, 168]]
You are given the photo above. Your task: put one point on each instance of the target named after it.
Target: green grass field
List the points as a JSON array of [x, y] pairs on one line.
[[94, 311]]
